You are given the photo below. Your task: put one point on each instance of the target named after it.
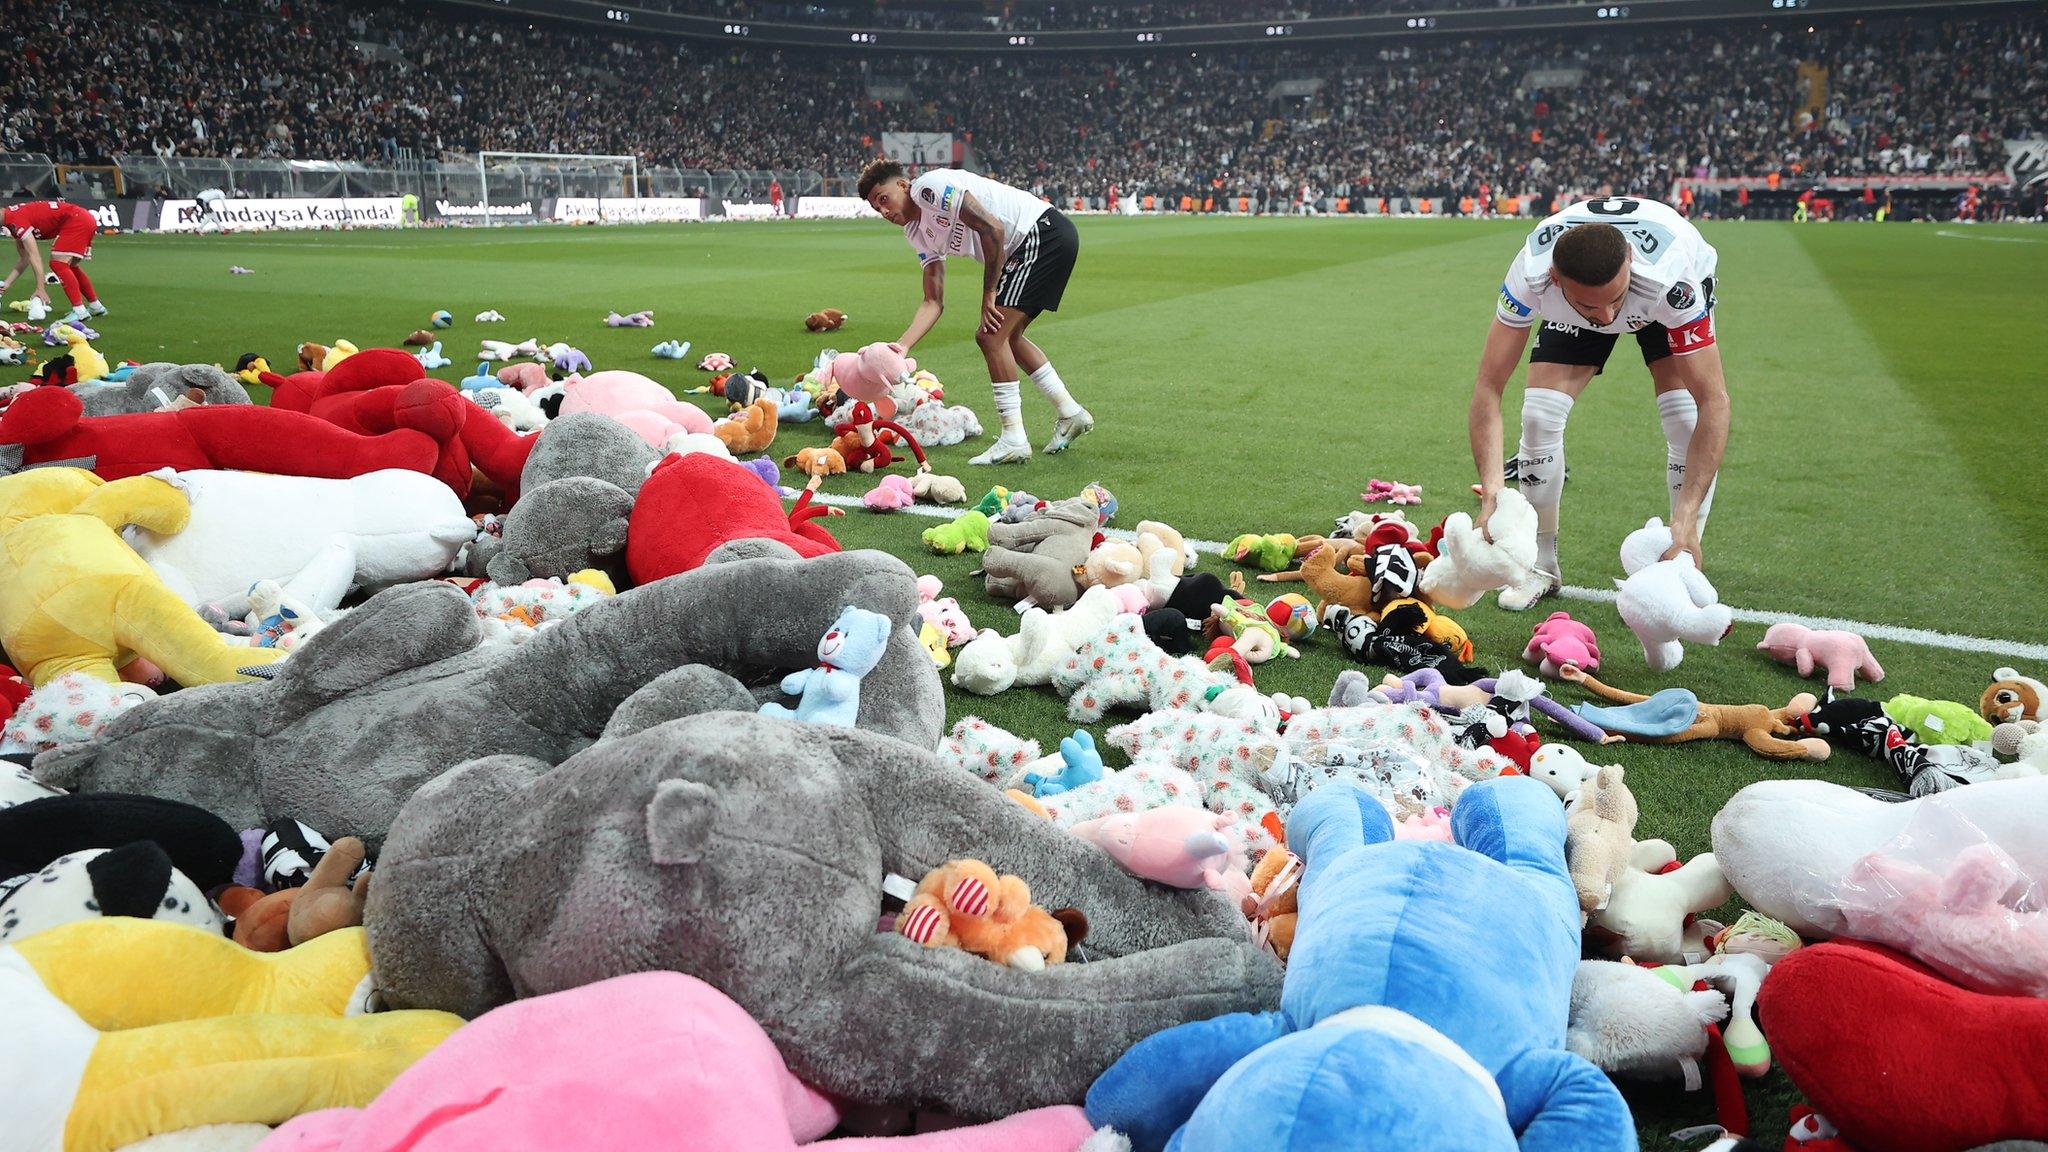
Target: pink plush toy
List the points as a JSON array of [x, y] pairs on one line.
[[1561, 640], [944, 614], [888, 496], [526, 377], [1177, 846], [1842, 654], [1957, 923], [1387, 491], [715, 362], [653, 1060], [1434, 824], [871, 373], [635, 401]]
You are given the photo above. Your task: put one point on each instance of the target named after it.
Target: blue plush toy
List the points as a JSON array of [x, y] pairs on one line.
[[1084, 766], [482, 379], [431, 358], [796, 407], [831, 691], [1424, 1008]]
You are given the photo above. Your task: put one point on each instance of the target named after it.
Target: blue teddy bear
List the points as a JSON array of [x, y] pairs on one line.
[[831, 692], [1083, 766], [1424, 1007]]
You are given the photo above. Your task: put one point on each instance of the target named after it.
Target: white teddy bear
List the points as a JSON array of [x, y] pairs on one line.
[[1666, 602], [1469, 565]]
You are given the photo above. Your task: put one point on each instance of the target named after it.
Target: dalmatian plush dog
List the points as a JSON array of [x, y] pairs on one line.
[[133, 880]]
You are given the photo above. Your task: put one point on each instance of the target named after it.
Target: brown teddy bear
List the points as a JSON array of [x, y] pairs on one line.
[[1599, 834], [963, 904], [749, 430], [827, 321]]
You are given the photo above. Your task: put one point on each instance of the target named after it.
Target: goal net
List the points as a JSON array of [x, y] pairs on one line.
[[510, 178]]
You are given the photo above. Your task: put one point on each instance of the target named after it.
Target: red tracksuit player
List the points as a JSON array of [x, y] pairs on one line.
[[69, 228]]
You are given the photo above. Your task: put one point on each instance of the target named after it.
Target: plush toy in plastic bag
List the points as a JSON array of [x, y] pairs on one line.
[[1942, 892]]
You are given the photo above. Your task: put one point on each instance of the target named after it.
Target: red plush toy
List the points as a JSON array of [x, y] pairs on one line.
[[692, 504], [48, 426], [1901, 1060], [363, 392]]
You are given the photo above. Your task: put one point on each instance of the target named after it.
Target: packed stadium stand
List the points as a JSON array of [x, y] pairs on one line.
[[1518, 113]]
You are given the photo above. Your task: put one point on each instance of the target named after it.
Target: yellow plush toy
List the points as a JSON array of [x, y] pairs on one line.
[[84, 357], [120, 1029], [80, 600]]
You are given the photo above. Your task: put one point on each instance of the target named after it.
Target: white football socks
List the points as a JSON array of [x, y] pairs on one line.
[[1680, 413], [1010, 408], [1054, 389], [1541, 457]]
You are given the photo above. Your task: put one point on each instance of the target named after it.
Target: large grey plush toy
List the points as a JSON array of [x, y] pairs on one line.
[[750, 852], [576, 493], [154, 387], [398, 691]]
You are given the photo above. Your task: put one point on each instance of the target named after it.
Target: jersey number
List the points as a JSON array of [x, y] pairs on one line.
[[1613, 206]]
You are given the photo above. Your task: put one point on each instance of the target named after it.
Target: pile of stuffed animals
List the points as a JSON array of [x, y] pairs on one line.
[[399, 764]]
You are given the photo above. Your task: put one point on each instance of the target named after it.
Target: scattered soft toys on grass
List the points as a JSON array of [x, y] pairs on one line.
[[630, 320], [1924, 767], [490, 316], [1387, 491], [1666, 602], [830, 692], [1842, 655], [506, 350], [672, 349], [1424, 1006]]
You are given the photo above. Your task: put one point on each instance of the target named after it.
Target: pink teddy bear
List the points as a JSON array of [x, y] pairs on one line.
[[650, 410], [888, 496], [1842, 654], [1561, 640]]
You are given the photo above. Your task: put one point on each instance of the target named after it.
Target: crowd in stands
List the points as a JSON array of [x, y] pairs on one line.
[[1043, 16], [1622, 110]]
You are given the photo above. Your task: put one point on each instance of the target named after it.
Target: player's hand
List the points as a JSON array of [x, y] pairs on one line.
[[1487, 500], [991, 315], [1685, 540]]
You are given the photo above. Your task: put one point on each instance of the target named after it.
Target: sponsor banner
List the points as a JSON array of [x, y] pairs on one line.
[[627, 209], [289, 213], [835, 208], [458, 212], [2026, 161], [735, 210], [919, 149]]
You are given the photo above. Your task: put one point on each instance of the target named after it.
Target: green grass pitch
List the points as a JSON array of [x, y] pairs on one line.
[[1253, 374]]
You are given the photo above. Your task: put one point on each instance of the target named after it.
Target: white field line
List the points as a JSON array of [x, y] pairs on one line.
[[1924, 637], [1993, 239]]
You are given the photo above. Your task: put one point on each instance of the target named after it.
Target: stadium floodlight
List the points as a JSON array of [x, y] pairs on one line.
[[556, 164]]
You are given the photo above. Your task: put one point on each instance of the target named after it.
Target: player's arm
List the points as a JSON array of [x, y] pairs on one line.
[[25, 249], [1497, 362], [990, 230], [1700, 372], [930, 308]]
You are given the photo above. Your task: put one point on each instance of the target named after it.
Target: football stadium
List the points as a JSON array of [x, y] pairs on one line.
[[1005, 574]]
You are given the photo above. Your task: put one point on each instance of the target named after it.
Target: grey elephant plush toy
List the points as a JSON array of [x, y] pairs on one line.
[[751, 851], [153, 387], [576, 493], [1035, 559], [398, 691]]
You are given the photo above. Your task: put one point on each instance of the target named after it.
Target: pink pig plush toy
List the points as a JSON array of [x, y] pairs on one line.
[[1842, 654], [1178, 846]]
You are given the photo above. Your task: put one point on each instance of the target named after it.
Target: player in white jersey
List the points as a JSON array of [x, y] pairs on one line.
[[1027, 250], [1588, 275]]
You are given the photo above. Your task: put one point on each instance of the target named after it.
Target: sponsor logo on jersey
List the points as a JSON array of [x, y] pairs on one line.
[[926, 193], [1693, 337], [946, 198], [1682, 297], [1508, 303], [1561, 326]]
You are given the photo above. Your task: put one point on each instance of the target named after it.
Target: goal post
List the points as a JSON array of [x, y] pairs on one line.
[[561, 167]]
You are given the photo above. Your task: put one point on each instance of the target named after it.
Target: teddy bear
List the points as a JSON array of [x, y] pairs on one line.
[[1599, 831], [80, 600], [1469, 564], [400, 689], [1424, 1005], [827, 320], [830, 692], [1645, 917], [750, 430], [159, 385], [796, 828], [963, 904], [1034, 561], [1667, 602], [936, 489], [2013, 698], [1842, 655], [1560, 640]]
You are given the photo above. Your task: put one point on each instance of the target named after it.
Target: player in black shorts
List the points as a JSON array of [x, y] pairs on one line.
[[1589, 275], [948, 212]]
